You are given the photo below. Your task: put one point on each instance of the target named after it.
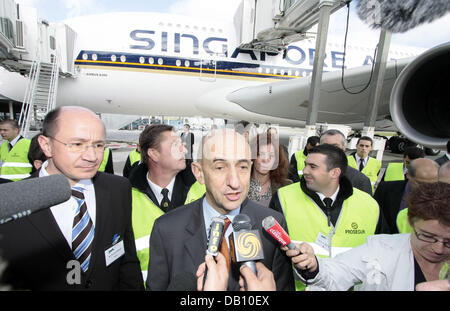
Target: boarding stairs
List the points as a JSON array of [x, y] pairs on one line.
[[40, 95]]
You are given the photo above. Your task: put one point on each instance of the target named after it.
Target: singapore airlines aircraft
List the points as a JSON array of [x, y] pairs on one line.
[[145, 63], [160, 64]]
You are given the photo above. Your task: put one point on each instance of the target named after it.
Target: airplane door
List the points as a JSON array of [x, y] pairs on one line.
[[208, 69]]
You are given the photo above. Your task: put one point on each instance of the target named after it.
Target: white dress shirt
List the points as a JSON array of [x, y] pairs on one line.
[[14, 141], [64, 213], [157, 189], [333, 197], [358, 160]]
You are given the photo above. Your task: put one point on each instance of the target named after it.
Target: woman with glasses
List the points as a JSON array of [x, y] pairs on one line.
[[269, 169], [390, 262]]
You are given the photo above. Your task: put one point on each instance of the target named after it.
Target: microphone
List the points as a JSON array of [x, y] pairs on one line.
[[271, 225], [215, 236], [24, 197], [400, 15], [245, 244]]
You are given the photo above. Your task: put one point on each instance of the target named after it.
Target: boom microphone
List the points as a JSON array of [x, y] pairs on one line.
[[245, 244], [21, 198], [271, 225], [400, 15]]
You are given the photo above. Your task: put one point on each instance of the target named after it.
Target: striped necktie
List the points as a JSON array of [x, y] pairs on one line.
[[82, 230]]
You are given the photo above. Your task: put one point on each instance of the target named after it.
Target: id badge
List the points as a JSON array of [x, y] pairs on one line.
[[114, 252], [323, 241]]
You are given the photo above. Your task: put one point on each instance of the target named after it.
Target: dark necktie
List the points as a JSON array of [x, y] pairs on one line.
[[9, 147], [165, 202], [82, 231], [328, 202], [224, 246], [361, 164]]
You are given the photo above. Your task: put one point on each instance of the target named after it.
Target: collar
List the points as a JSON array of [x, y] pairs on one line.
[[157, 189], [333, 197], [358, 158], [15, 140], [209, 213], [345, 190], [86, 184]]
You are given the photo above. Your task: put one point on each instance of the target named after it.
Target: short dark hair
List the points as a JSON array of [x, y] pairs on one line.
[[14, 124], [365, 138], [50, 126], [430, 201], [151, 138], [414, 153], [35, 152], [335, 157], [313, 140]]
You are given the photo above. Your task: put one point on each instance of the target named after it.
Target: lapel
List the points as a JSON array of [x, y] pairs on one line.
[[102, 216], [196, 235], [46, 225]]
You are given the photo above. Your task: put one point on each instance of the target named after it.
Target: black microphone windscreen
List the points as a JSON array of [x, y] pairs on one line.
[[21, 198], [184, 281], [400, 15], [241, 222]]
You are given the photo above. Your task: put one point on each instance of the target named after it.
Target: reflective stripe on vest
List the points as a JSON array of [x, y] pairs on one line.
[[370, 170], [402, 222], [143, 215], [105, 160], [300, 158], [305, 220], [15, 164], [196, 191], [394, 171], [135, 156]]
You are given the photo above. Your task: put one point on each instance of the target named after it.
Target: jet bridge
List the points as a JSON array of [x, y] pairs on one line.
[[41, 51]]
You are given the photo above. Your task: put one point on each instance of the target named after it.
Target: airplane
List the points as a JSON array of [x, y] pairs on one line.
[[145, 63]]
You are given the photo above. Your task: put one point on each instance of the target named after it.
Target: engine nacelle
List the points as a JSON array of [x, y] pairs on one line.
[[420, 98]]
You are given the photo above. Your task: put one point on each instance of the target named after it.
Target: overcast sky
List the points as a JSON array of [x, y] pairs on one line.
[[425, 36]]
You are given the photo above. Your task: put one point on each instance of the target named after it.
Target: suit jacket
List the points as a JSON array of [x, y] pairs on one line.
[[178, 245], [389, 196], [183, 182], [441, 160], [38, 254]]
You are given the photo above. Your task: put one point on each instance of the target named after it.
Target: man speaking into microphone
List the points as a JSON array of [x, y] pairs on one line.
[[178, 241]]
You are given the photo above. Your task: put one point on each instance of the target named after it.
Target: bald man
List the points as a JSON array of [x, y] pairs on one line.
[[391, 195], [444, 172], [179, 239], [85, 243]]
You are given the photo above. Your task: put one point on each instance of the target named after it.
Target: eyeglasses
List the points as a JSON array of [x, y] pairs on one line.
[[82, 147], [430, 239]]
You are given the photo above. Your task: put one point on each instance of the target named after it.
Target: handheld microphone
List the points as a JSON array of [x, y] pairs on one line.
[[215, 236], [245, 244], [271, 225], [24, 197]]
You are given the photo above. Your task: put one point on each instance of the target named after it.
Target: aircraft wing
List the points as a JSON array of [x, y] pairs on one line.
[[290, 98]]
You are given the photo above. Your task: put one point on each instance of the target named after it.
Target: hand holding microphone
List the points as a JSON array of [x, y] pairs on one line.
[[302, 255]]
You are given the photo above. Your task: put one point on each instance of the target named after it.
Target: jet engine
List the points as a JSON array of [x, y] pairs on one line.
[[420, 98]]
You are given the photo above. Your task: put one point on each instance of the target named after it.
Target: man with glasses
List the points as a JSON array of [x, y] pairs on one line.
[[391, 195], [70, 245], [390, 262]]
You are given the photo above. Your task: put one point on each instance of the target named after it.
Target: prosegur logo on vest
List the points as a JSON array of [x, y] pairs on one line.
[[355, 229]]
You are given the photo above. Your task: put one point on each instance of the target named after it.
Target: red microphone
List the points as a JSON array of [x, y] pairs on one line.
[[277, 232]]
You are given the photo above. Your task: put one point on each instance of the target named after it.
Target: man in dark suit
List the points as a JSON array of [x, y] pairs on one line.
[[160, 183], [188, 140], [86, 242], [179, 239], [358, 179], [391, 195], [445, 157]]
